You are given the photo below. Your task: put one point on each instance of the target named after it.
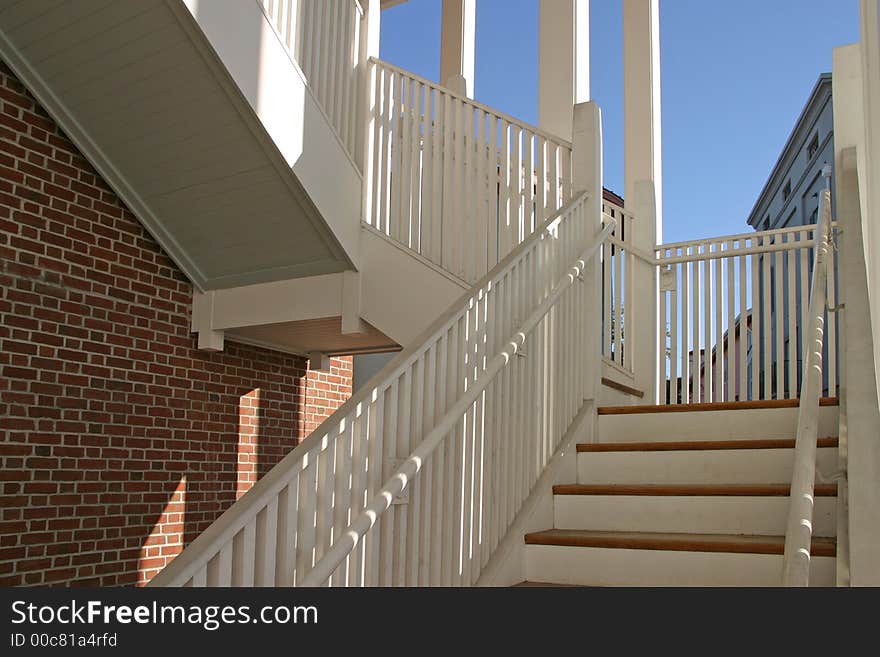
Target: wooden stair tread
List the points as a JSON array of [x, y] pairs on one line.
[[710, 406], [750, 490], [696, 445], [821, 547], [534, 585]]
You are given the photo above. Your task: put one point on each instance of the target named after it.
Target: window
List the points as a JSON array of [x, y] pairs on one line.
[[814, 217], [766, 225], [786, 191], [813, 147]]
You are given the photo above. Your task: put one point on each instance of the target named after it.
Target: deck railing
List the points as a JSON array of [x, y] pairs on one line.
[[459, 428], [734, 310], [324, 38], [617, 285], [452, 179]]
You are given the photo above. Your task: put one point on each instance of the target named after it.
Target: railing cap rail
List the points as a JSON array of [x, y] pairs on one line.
[[737, 237]]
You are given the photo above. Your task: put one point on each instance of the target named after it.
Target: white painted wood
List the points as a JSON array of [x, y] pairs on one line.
[[610, 567], [563, 62], [710, 425], [765, 293], [799, 526], [735, 515], [733, 466]]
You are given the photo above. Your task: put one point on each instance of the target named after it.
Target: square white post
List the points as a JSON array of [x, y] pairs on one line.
[[563, 63], [587, 176], [643, 178], [457, 43]]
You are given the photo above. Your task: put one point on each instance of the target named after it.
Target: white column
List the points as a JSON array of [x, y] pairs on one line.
[[587, 176], [643, 176], [857, 310], [457, 42], [563, 63], [641, 101]]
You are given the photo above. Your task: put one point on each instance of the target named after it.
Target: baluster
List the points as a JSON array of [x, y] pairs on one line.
[[266, 543], [831, 320], [438, 156], [607, 317], [696, 317], [708, 369], [791, 390], [427, 221], [450, 227], [413, 174], [506, 239], [342, 492], [285, 567], [401, 172], [673, 337], [373, 546], [744, 330], [359, 484], [307, 505], [804, 303], [779, 301], [389, 148], [685, 317], [718, 365]]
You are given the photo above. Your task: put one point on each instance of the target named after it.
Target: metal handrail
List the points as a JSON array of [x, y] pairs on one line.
[[799, 528]]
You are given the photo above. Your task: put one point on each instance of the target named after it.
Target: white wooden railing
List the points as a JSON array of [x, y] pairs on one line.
[[457, 181], [798, 533], [463, 422], [324, 38], [617, 281], [756, 284]]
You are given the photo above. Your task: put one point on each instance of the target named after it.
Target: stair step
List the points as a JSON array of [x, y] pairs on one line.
[[821, 546], [700, 511], [676, 463], [694, 445], [709, 422], [710, 406], [750, 490], [533, 585], [590, 558]]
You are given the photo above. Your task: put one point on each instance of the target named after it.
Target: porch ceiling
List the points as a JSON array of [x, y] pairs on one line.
[[323, 335], [140, 90]]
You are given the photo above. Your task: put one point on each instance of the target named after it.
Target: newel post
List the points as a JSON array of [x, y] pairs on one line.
[[587, 176]]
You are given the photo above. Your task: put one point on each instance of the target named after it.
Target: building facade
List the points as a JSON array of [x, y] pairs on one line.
[[790, 198]]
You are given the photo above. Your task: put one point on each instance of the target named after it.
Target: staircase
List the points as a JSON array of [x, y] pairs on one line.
[[685, 499]]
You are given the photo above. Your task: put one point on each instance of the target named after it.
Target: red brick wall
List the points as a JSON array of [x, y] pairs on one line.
[[119, 441]]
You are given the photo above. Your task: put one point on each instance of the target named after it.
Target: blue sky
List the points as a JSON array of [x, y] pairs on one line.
[[735, 76]]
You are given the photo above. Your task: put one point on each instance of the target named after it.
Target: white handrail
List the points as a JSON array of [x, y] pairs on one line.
[[290, 517], [406, 473], [798, 534]]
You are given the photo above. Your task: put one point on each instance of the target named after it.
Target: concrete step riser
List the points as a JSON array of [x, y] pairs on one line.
[[735, 466], [763, 516], [625, 567], [710, 425]]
